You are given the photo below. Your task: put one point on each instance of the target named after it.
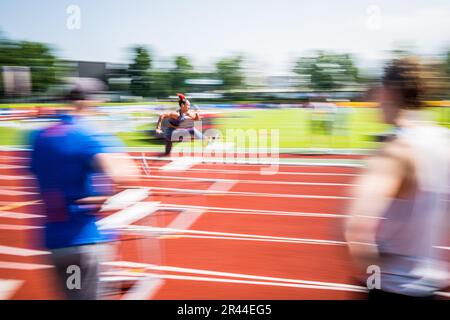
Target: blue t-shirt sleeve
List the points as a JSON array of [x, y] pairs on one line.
[[32, 141]]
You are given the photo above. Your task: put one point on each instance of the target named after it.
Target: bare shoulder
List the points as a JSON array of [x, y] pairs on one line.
[[397, 149], [396, 155]]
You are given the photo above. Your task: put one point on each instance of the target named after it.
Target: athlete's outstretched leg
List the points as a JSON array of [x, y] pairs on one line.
[[169, 142], [169, 145]]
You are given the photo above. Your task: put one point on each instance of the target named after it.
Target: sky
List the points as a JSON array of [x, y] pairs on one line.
[[270, 33]]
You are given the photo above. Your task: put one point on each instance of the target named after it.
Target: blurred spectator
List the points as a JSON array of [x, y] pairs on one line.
[[400, 213], [76, 169]]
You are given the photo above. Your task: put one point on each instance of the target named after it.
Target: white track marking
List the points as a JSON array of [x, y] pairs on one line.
[[129, 215], [15, 251], [441, 247], [23, 266], [18, 227], [144, 289], [167, 231], [17, 215], [9, 192], [164, 178], [254, 211], [117, 277], [146, 168], [186, 219], [126, 198], [15, 177], [19, 187], [137, 211], [9, 287], [180, 164], [236, 171], [257, 161], [238, 281], [11, 166], [129, 264], [13, 157], [222, 186], [264, 283], [248, 194], [246, 239]]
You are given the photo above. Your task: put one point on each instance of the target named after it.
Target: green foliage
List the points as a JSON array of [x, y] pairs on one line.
[[229, 70], [37, 56], [327, 71], [180, 74], [160, 83], [138, 71]]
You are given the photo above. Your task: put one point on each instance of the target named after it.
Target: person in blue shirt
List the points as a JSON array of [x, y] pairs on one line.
[[76, 169]]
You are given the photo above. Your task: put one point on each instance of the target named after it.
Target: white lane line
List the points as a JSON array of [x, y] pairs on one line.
[[18, 215], [247, 282], [164, 178], [18, 227], [10, 166], [180, 164], [15, 251], [137, 265], [254, 211], [116, 277], [13, 157], [9, 287], [301, 283], [23, 266], [259, 161], [248, 194], [236, 171], [442, 247], [248, 239], [16, 177], [19, 187], [9, 192], [171, 231], [264, 283], [129, 215]]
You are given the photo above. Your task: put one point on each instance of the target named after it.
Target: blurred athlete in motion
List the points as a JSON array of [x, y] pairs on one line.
[[400, 212], [176, 119], [76, 169]]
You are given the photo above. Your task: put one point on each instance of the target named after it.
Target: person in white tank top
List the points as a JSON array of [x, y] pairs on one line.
[[399, 218]]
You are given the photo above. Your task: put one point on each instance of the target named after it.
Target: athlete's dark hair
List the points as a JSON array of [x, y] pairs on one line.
[[403, 75]]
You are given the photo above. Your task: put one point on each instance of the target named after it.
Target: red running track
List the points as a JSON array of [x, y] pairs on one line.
[[239, 234]]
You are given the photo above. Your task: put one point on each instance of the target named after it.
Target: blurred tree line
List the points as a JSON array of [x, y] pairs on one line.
[[322, 71], [39, 57], [148, 81], [319, 71], [327, 71]]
